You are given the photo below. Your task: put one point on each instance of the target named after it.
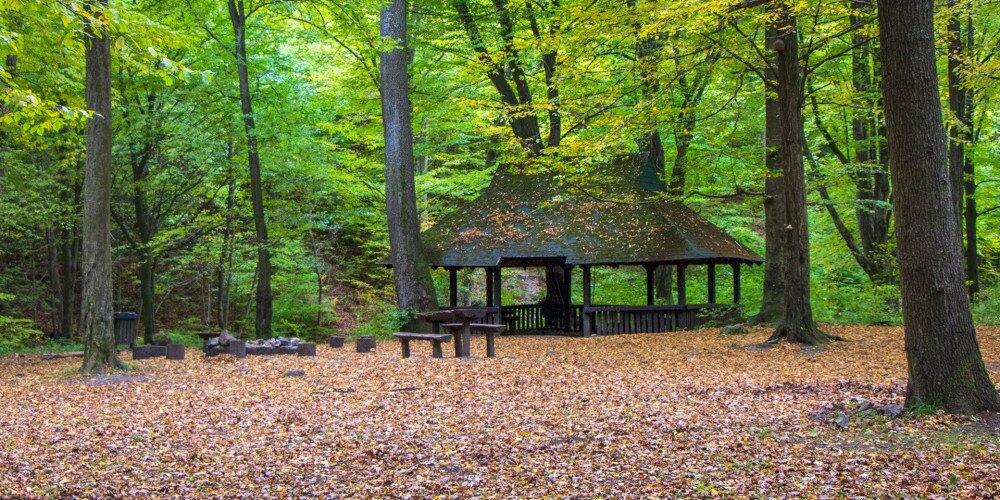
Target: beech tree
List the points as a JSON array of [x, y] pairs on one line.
[[945, 365], [99, 353], [414, 287], [797, 324], [263, 312]]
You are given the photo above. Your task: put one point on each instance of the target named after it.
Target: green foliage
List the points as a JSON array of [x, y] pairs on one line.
[[17, 333], [179, 141], [383, 321], [922, 410], [45, 347], [187, 339]]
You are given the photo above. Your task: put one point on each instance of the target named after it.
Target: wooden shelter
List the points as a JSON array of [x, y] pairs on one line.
[[621, 217]]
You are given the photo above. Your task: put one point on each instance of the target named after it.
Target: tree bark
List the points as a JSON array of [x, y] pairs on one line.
[[55, 279], [773, 299], [414, 286], [945, 365], [957, 107], [797, 324], [225, 272], [100, 353], [262, 320], [871, 180], [969, 182]]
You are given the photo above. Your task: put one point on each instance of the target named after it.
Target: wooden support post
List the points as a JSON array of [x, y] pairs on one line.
[[736, 283], [568, 309], [711, 283], [681, 285], [586, 300], [498, 287], [568, 273], [489, 287], [650, 284], [452, 287]]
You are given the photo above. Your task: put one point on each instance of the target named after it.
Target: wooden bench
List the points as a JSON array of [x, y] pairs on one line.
[[435, 338], [491, 332]]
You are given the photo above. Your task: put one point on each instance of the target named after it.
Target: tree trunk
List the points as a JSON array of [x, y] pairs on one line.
[[55, 280], [100, 353], [971, 241], [773, 299], [67, 259], [797, 323], [871, 180], [225, 274], [957, 107], [414, 286], [262, 320], [147, 263], [945, 365]]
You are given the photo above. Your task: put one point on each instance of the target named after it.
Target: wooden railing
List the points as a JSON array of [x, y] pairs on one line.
[[610, 320], [528, 317]]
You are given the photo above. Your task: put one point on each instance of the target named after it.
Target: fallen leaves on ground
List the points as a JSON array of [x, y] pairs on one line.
[[693, 413]]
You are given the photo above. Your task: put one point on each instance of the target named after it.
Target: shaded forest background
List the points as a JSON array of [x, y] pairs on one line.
[[490, 82]]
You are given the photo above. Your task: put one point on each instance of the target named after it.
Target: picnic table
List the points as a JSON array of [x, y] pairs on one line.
[[462, 337]]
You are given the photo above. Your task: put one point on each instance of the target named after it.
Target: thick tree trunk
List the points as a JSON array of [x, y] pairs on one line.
[[945, 364], [773, 299], [262, 320], [797, 323], [414, 286], [100, 353]]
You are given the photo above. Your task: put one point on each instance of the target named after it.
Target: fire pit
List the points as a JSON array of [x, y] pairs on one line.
[[277, 345], [226, 343]]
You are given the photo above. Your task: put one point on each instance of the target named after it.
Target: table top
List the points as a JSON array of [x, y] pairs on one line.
[[452, 315]]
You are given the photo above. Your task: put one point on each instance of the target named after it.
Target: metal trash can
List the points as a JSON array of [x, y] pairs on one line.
[[126, 328]]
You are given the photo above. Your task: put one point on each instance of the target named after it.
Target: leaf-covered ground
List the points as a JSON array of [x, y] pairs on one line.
[[690, 413]]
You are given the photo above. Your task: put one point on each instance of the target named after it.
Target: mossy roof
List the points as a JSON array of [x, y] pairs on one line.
[[620, 217]]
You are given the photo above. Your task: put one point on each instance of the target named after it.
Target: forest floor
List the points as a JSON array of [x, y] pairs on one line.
[[694, 413]]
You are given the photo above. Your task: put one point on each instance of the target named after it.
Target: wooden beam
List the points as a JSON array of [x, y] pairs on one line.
[[498, 286], [586, 300], [489, 287], [453, 287], [711, 283], [650, 284], [681, 284], [736, 283]]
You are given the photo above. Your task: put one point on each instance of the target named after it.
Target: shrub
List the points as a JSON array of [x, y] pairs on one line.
[[385, 320], [17, 333]]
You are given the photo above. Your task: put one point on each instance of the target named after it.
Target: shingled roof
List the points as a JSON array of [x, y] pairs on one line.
[[621, 217]]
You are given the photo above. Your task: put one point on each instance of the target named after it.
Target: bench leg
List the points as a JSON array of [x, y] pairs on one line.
[[437, 349], [406, 347], [457, 338], [490, 345]]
